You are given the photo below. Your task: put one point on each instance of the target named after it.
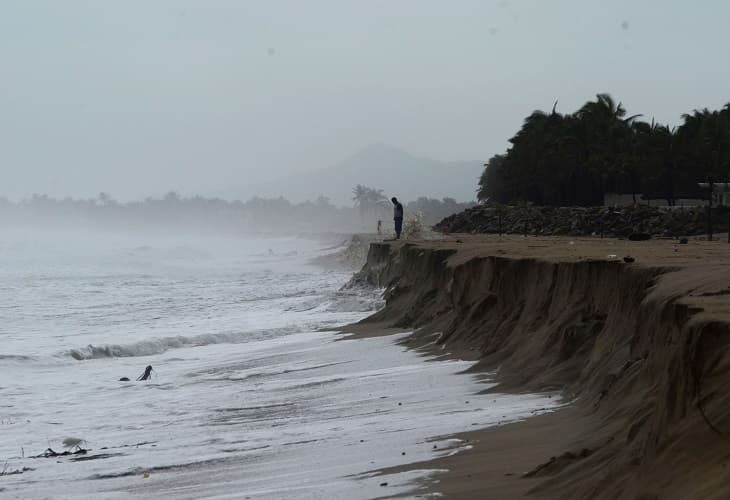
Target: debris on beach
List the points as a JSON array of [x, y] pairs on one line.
[[147, 373], [51, 453], [14, 472], [98, 456]]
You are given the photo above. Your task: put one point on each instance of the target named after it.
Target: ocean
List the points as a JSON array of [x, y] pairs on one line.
[[253, 392]]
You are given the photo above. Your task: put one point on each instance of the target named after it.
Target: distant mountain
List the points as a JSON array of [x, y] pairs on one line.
[[378, 166]]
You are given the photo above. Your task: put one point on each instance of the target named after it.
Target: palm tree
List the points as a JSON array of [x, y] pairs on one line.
[[575, 158], [360, 198], [368, 199], [377, 200]]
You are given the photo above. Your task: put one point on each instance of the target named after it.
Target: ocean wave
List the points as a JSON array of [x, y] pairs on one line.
[[161, 345], [355, 300], [14, 357], [342, 301]]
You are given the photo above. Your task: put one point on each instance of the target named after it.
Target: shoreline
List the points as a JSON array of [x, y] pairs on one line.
[[498, 458], [633, 428], [490, 462]]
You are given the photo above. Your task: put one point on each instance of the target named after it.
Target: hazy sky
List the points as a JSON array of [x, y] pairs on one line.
[[138, 97]]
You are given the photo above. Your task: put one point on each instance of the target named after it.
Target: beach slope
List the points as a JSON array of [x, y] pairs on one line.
[[636, 335]]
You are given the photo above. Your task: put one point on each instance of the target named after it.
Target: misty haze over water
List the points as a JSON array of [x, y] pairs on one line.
[[171, 171], [137, 99]]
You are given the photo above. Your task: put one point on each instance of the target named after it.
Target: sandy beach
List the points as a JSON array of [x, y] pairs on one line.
[[633, 334]]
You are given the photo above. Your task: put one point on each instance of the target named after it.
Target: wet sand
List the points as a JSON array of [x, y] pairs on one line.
[[497, 458]]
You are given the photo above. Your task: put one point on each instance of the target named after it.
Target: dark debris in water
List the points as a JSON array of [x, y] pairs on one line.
[[162, 468], [15, 472], [134, 445], [100, 456], [50, 453]]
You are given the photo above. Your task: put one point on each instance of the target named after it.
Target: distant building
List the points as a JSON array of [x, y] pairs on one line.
[[626, 200], [720, 192]]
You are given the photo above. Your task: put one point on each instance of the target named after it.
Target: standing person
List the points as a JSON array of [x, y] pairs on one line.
[[397, 216]]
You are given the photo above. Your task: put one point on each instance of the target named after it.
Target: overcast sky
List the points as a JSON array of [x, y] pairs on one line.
[[138, 97]]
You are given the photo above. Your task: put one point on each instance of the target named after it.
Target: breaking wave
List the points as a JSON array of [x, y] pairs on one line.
[[158, 346]]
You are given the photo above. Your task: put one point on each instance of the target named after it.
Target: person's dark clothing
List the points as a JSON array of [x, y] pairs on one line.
[[397, 211], [398, 227], [398, 218]]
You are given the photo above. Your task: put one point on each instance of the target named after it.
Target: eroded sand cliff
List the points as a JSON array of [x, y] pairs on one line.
[[642, 349]]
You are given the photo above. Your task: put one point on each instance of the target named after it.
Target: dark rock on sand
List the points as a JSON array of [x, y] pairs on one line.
[[621, 222], [639, 237]]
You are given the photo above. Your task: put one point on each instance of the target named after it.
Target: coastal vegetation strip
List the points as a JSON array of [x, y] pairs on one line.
[[174, 211], [577, 158]]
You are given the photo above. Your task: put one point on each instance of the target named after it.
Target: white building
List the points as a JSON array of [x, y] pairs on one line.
[[626, 200]]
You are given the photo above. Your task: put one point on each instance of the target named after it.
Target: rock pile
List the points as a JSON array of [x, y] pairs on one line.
[[638, 221]]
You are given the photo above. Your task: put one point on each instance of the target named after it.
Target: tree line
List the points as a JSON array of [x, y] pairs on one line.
[[575, 159], [174, 212]]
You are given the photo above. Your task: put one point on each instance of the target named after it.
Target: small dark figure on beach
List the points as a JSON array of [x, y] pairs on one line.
[[397, 216], [147, 373], [380, 227]]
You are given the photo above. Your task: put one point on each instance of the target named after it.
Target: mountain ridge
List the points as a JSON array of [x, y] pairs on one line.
[[380, 166]]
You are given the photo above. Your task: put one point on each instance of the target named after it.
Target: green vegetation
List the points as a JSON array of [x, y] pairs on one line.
[[574, 159], [174, 212]]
